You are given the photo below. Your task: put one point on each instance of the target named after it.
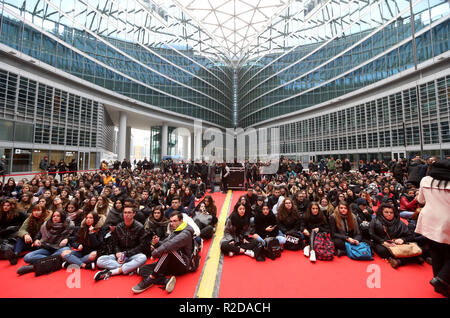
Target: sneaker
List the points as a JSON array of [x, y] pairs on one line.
[[170, 285], [25, 269], [145, 284], [440, 286], [14, 258], [90, 266], [312, 257], [394, 262], [249, 253], [104, 274], [306, 251], [230, 254], [429, 260]]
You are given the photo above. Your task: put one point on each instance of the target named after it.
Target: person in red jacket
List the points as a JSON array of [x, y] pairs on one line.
[[409, 204]]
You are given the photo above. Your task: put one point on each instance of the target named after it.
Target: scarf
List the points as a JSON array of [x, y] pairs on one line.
[[238, 221]]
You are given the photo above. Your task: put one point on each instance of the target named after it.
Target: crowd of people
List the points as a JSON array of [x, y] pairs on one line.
[[117, 218]]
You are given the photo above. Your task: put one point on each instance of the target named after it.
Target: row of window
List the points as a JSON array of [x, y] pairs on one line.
[[390, 121]]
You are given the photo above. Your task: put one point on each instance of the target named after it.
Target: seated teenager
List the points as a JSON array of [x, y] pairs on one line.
[[86, 242], [288, 220], [52, 239], [388, 230], [157, 223], [409, 204], [127, 248], [314, 221], [236, 238], [265, 224], [344, 228]]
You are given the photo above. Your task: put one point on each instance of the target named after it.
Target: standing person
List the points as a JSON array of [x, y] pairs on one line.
[[225, 174], [434, 221], [3, 166], [127, 247], [174, 254], [62, 168], [43, 165], [73, 167]]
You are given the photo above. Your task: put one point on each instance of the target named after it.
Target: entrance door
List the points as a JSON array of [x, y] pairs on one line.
[[398, 155]]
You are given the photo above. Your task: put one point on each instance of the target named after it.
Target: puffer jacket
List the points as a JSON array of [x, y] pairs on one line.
[[395, 229], [180, 240], [128, 239]]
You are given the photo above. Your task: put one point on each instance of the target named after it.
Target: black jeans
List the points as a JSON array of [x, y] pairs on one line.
[[226, 247], [170, 263], [440, 253]]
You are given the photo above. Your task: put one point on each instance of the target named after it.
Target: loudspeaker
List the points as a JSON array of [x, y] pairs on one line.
[[236, 179]]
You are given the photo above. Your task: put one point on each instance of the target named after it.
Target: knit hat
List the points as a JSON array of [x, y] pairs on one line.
[[440, 170], [361, 201]]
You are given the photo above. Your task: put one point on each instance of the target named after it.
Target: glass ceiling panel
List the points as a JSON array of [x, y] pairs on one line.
[[234, 24]]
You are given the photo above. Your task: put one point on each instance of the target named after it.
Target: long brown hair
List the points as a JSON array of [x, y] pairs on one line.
[[283, 213], [35, 223], [308, 213], [13, 212], [350, 218]]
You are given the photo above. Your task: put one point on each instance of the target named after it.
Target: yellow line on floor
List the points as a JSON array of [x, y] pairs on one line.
[[208, 278]]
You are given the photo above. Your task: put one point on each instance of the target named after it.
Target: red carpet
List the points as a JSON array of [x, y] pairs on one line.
[[291, 276]]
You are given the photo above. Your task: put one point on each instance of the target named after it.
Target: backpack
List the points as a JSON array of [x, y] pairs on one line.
[[194, 262], [272, 248], [359, 252], [294, 241], [324, 246]]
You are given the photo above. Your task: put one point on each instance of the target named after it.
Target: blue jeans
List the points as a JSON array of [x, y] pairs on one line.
[[34, 256], [77, 258], [110, 262]]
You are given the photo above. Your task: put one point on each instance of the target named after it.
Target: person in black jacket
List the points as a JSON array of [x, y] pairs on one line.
[[344, 228], [364, 216], [388, 230], [86, 242], [265, 224], [157, 224], [288, 219], [174, 255], [127, 248], [313, 222]]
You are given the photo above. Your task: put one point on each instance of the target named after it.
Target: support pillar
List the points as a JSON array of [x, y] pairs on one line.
[[164, 140], [122, 136]]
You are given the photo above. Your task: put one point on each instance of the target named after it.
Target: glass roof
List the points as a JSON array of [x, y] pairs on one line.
[[234, 24]]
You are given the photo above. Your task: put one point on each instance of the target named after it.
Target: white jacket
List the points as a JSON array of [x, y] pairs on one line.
[[434, 219]]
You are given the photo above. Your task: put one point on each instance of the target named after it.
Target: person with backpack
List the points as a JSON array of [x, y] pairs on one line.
[[314, 222], [174, 253], [344, 228]]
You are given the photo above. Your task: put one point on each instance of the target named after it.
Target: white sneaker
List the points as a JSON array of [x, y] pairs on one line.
[[312, 257], [249, 253], [171, 284], [306, 251], [230, 254]]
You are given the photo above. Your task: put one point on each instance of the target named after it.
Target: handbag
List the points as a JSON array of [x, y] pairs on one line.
[[324, 246], [48, 265], [359, 252], [404, 250], [294, 241]]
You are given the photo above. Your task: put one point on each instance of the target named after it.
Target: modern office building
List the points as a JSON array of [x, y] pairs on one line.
[[365, 79]]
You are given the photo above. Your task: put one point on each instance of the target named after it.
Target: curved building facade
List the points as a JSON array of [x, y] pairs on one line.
[[365, 79]]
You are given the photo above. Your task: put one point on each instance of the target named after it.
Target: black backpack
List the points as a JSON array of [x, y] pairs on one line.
[[272, 249], [294, 241]]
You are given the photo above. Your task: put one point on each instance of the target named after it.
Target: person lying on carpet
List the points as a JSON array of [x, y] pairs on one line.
[[314, 222], [52, 239], [127, 246], [344, 228], [174, 254], [388, 230], [86, 242], [236, 239]]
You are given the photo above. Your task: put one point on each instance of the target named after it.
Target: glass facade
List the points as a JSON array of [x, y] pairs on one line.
[[339, 48], [308, 57]]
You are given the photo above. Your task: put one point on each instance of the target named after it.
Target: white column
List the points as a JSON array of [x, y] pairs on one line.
[[192, 146], [198, 146], [164, 140], [185, 151], [128, 144], [122, 136]]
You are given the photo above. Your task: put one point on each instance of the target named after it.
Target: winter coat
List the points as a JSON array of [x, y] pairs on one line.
[[53, 236], [232, 233], [408, 204], [180, 240], [92, 242], [8, 228], [291, 223], [158, 228], [395, 229], [262, 221], [434, 219], [315, 222], [345, 232], [128, 238], [30, 229], [414, 171]]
